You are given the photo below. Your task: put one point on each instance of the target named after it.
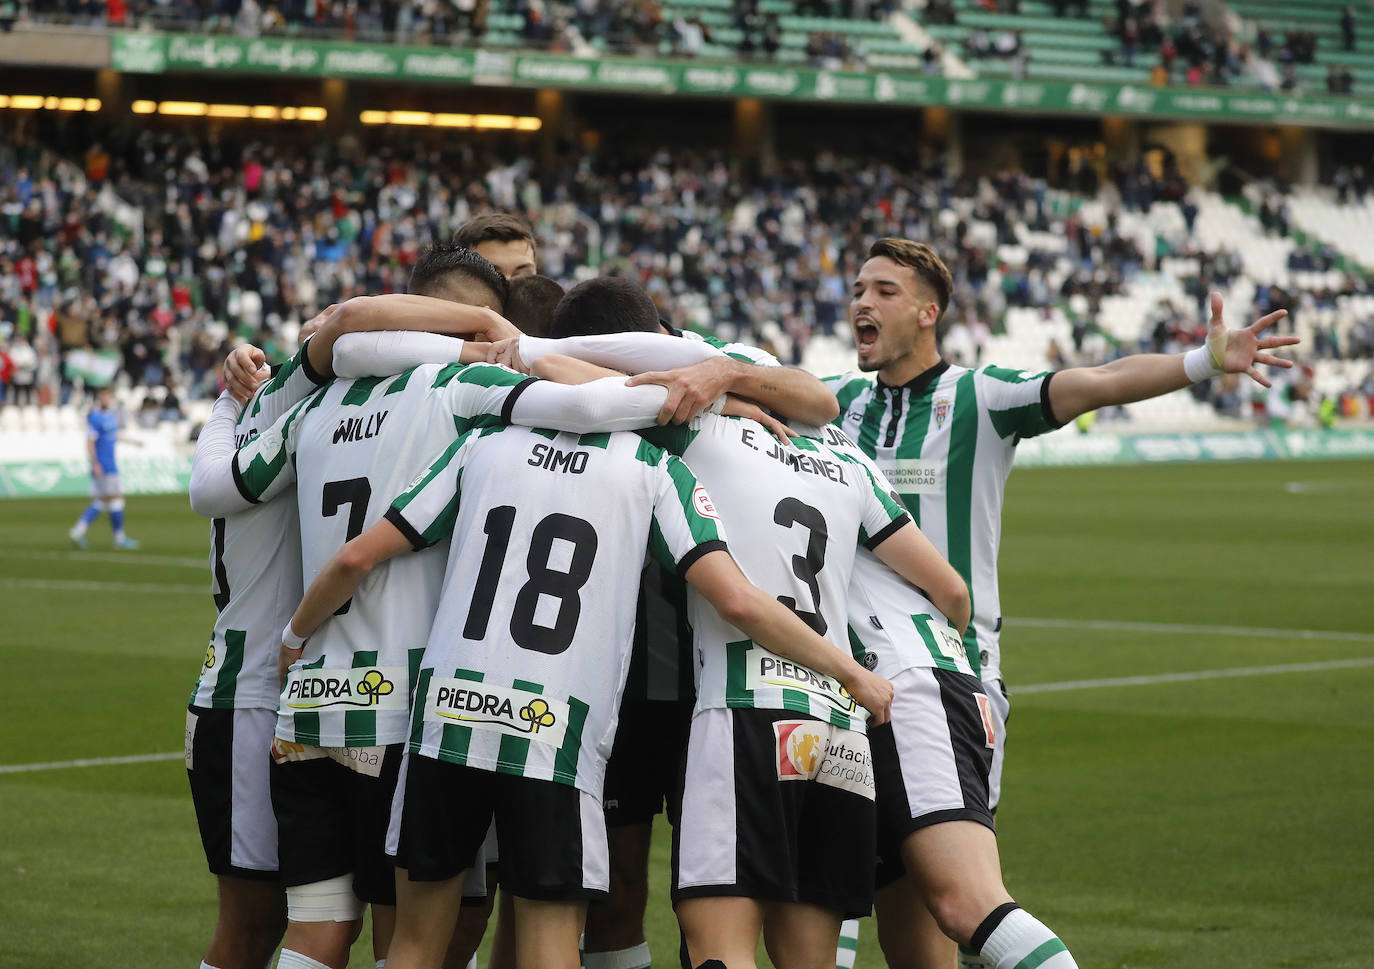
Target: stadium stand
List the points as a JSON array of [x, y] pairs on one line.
[[158, 251]]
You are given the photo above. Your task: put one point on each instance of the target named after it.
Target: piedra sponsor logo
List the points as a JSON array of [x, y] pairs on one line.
[[204, 52], [765, 670], [287, 57], [710, 78], [1083, 96], [504, 709], [368, 688]]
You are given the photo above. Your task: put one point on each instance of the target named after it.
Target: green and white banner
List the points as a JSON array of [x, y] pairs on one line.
[[157, 53], [1068, 449], [71, 478]]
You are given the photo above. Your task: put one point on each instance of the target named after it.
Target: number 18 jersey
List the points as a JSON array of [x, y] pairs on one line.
[[527, 658]]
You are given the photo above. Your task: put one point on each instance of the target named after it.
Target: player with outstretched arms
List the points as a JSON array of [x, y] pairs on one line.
[[516, 704]]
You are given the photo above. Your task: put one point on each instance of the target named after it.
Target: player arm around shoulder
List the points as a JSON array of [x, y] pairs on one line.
[[771, 624], [1142, 376]]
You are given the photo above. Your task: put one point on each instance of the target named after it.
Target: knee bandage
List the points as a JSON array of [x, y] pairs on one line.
[[331, 900]]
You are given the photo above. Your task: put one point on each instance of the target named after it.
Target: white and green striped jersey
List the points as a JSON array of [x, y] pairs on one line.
[[350, 449], [946, 441], [893, 626], [797, 515], [530, 646], [740, 351], [255, 568], [661, 669]]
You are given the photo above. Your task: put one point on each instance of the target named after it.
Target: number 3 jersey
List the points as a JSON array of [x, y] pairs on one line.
[[350, 449], [798, 515], [531, 643]]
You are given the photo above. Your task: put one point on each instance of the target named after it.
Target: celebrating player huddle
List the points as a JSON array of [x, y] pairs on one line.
[[428, 570]]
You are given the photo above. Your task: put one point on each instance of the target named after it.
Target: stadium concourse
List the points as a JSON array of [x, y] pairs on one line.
[[145, 255]]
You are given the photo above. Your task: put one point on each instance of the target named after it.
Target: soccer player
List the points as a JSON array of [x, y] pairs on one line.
[[726, 892], [946, 437], [255, 565], [519, 686], [102, 433], [503, 239], [343, 712]]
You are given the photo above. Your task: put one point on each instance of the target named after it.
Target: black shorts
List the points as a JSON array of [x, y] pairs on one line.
[[227, 764], [552, 836], [333, 822], [931, 759], [776, 806], [645, 768]]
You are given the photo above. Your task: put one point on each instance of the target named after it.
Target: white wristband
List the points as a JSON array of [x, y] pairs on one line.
[[1198, 365], [290, 640]]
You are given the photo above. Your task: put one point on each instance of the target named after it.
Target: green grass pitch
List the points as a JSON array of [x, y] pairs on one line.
[[1219, 822]]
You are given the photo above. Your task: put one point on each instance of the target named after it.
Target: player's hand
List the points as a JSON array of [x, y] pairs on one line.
[[739, 407], [309, 327], [286, 658], [872, 691], [691, 390], [499, 329], [507, 353], [97, 472], [244, 369], [1242, 349]]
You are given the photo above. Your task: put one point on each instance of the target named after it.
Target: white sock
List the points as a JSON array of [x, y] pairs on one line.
[[849, 944], [206, 965], [1012, 938], [472, 963], [381, 964], [636, 957], [294, 960]]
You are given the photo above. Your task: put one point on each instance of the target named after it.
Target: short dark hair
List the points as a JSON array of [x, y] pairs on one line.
[[922, 260], [444, 265], [606, 304], [493, 227], [532, 302]]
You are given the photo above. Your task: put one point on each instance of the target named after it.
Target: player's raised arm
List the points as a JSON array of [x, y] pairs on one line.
[[401, 312], [775, 627], [694, 373], [1142, 376]]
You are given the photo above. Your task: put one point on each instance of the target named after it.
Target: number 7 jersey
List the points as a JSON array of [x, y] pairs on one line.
[[531, 642], [350, 449]]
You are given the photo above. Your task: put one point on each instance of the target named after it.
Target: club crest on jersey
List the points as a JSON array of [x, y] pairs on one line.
[[701, 501], [210, 656], [485, 706], [830, 755], [369, 687], [942, 406]]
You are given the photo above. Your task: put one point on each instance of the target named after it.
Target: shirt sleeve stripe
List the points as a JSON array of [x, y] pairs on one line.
[[242, 485], [1050, 419], [513, 396], [891, 529], [416, 540], [690, 559]]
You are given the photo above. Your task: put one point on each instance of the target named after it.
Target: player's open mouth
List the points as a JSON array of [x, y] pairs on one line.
[[865, 335]]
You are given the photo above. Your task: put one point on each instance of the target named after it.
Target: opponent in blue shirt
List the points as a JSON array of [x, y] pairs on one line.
[[102, 431]]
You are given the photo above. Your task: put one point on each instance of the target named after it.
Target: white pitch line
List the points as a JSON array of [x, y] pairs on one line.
[[91, 762], [1018, 691], [1253, 632], [1339, 664], [123, 558], [81, 585]]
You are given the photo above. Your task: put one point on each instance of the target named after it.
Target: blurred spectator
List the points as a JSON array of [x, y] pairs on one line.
[[1348, 28]]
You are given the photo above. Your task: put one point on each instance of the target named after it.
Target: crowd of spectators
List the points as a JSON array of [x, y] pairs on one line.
[[154, 250]]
